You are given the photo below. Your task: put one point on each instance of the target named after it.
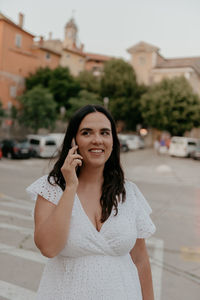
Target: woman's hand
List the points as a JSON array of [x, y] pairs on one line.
[[72, 161]]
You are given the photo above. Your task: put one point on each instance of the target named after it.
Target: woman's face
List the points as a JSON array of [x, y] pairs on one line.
[[94, 139]]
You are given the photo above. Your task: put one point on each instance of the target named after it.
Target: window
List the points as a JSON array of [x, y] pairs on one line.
[[34, 142], [48, 56], [50, 143], [18, 40], [13, 91], [192, 144], [68, 55], [142, 60]]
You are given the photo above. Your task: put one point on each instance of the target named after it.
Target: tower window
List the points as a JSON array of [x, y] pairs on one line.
[[13, 91], [142, 60], [18, 40], [48, 55]]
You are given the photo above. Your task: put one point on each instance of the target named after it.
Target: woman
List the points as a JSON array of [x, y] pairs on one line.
[[89, 221]]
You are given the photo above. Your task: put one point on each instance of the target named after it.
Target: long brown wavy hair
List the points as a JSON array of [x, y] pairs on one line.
[[113, 190]]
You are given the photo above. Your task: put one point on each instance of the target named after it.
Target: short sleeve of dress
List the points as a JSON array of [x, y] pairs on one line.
[[42, 187], [144, 224]]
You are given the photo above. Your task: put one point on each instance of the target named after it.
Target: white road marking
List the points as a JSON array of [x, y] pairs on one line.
[[25, 202], [158, 248], [19, 229], [15, 215], [22, 253], [13, 292], [163, 169], [16, 205]]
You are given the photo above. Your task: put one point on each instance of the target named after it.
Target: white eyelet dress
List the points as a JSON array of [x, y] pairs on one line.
[[96, 265]]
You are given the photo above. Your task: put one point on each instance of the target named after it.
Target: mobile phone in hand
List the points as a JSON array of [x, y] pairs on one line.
[[74, 144]]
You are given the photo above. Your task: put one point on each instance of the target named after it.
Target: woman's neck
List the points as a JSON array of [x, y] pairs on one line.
[[90, 176]]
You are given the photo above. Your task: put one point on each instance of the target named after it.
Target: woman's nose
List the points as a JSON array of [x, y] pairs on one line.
[[97, 139]]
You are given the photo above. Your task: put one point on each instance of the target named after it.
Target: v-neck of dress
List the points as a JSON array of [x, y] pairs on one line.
[[88, 219]]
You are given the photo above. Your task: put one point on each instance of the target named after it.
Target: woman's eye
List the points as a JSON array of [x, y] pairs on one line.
[[85, 133], [105, 133]]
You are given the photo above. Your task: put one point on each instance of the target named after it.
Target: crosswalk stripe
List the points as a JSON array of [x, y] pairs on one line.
[[13, 292], [15, 215], [25, 202], [16, 205], [22, 253], [20, 229]]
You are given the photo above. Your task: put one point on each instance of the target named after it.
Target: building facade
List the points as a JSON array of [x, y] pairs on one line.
[[150, 67], [72, 52], [19, 56]]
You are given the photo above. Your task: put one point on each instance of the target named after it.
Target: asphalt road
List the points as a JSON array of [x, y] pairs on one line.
[[172, 188]]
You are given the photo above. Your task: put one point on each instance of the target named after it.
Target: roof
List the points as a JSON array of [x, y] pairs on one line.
[[192, 62], [75, 51], [45, 48], [94, 56], [9, 21], [142, 46]]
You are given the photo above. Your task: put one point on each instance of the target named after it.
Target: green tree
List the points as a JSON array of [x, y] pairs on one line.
[[128, 109], [118, 79], [38, 109], [2, 111], [41, 77], [83, 98], [119, 84], [59, 81], [89, 82], [171, 105]]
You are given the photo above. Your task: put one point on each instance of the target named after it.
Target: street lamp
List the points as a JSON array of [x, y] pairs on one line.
[[105, 102]]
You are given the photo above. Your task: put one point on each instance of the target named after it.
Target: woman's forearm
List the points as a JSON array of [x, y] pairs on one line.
[[144, 271], [50, 236]]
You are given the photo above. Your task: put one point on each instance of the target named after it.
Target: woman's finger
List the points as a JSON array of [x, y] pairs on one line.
[[76, 162], [73, 150]]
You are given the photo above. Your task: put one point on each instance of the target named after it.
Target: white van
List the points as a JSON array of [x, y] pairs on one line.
[[42, 145], [58, 137], [182, 146]]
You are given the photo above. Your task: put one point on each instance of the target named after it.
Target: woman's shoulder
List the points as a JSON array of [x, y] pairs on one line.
[[136, 197], [48, 189]]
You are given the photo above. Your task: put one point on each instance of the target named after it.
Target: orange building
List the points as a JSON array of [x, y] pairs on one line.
[[19, 56]]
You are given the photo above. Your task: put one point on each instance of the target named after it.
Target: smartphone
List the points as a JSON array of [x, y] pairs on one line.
[[74, 144]]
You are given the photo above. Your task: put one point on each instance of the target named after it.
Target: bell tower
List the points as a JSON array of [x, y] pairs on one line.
[[71, 31]]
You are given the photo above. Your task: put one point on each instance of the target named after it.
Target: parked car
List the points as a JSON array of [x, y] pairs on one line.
[[133, 141], [42, 145], [182, 146], [1, 154], [123, 145], [12, 148], [59, 138], [196, 153]]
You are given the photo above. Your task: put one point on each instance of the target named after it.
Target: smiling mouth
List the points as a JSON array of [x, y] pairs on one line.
[[96, 150]]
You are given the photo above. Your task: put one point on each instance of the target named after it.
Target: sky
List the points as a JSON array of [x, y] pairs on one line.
[[112, 26]]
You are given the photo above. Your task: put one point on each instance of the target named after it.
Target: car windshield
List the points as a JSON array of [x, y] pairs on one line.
[[23, 143]]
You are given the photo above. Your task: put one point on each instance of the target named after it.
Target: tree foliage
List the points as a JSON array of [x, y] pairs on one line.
[[2, 111], [119, 84], [118, 79], [38, 109], [59, 81], [89, 82], [171, 105], [84, 97]]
